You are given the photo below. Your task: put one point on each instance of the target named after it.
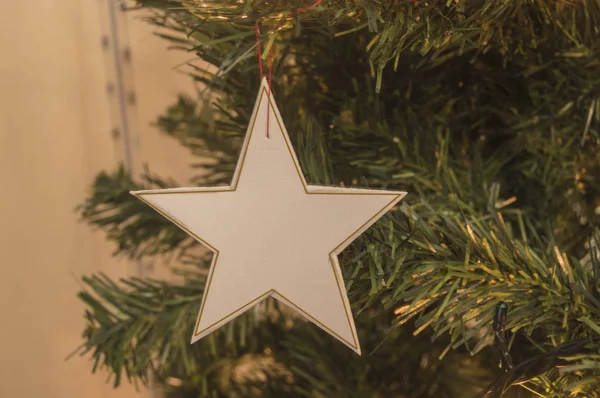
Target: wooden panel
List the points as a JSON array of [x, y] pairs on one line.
[[55, 135]]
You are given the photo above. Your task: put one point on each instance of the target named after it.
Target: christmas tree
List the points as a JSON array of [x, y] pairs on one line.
[[484, 279]]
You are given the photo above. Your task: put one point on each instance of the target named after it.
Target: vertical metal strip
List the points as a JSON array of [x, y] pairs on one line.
[[120, 90], [121, 96], [117, 50]]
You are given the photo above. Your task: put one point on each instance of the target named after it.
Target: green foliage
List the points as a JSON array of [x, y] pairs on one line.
[[138, 229], [487, 113], [146, 324]]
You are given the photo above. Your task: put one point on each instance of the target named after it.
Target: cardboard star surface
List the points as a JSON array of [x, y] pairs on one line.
[[272, 234]]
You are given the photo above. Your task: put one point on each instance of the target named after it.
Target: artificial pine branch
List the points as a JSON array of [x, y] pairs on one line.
[[141, 326], [136, 229]]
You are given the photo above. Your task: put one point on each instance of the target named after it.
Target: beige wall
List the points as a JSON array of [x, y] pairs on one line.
[[54, 137]]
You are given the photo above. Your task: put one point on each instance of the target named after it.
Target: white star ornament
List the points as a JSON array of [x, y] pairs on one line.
[[272, 234]]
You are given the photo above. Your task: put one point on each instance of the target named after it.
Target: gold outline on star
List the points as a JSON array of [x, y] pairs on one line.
[[333, 259]]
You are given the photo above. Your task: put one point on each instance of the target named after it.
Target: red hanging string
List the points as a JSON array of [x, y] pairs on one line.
[[269, 91], [291, 14], [258, 48]]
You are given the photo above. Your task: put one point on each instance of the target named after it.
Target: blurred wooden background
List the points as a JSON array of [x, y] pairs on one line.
[[60, 100]]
